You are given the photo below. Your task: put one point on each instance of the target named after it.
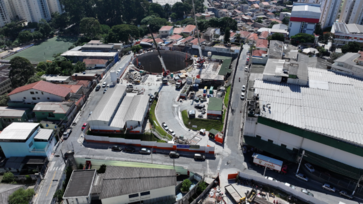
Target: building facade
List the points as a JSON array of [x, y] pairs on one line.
[[329, 12], [352, 12], [349, 64], [31, 10], [55, 6], [345, 33], [304, 18], [55, 111], [5, 15]]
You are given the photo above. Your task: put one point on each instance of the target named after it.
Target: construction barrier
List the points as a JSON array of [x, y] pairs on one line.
[[150, 144]]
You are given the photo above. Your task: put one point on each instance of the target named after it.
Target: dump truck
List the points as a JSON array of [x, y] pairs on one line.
[[269, 162]]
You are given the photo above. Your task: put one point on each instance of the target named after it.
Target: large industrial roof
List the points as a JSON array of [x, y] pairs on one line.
[[72, 53], [331, 105], [132, 108], [108, 104], [18, 131], [306, 11]]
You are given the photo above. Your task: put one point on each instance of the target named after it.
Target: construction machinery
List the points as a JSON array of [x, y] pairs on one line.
[[201, 60]]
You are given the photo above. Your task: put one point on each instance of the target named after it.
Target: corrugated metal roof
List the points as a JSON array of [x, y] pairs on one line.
[[107, 106], [126, 180], [12, 112], [44, 134], [80, 183], [18, 131], [332, 105], [132, 107]]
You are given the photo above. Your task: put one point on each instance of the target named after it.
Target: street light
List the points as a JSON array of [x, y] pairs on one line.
[[302, 155], [357, 184]]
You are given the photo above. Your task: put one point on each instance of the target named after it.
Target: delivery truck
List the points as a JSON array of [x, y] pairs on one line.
[[271, 163]]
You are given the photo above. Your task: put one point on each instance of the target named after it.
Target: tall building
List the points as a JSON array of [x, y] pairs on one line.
[[29, 10], [329, 12], [352, 12], [303, 18], [309, 1], [5, 15], [55, 6]]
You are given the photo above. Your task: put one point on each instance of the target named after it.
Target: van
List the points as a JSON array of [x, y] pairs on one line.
[[199, 157]]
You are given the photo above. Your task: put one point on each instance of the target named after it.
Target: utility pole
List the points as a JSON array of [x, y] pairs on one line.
[[302, 156], [357, 185]]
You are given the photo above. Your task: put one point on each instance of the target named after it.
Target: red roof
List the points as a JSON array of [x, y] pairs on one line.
[[187, 39], [158, 40], [232, 34], [148, 40], [45, 87], [165, 28], [195, 41], [258, 53], [255, 5], [175, 37], [189, 28], [74, 88], [244, 34], [261, 43], [264, 34], [84, 83], [253, 37], [95, 61], [177, 30]]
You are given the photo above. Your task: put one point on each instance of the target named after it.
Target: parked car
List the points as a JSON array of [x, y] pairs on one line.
[[67, 133], [163, 124], [199, 106], [270, 178], [243, 88], [242, 96], [129, 149], [329, 187], [151, 98], [104, 91], [199, 157], [291, 186], [84, 126], [116, 148], [104, 84], [303, 190], [345, 194], [145, 151], [173, 154], [98, 87], [302, 177], [202, 131], [172, 132], [309, 167]]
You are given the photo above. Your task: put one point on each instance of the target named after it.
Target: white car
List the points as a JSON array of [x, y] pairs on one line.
[[104, 84], [270, 178], [172, 132], [309, 167], [145, 151], [243, 88], [329, 188], [345, 194], [302, 177], [303, 190], [291, 186]]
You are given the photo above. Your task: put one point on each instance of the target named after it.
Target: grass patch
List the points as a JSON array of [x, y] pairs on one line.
[[45, 50], [201, 123], [155, 123], [226, 97]]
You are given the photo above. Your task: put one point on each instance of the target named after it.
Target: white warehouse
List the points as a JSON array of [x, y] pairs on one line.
[[118, 111]]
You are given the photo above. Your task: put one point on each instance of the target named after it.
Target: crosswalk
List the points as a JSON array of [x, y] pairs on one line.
[[51, 167]]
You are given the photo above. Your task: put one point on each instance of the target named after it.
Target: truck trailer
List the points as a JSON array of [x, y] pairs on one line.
[[268, 162]]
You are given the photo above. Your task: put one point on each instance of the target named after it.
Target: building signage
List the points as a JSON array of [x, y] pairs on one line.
[[183, 146]]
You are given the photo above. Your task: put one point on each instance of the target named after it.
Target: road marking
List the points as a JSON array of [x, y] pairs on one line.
[[50, 185], [219, 164]]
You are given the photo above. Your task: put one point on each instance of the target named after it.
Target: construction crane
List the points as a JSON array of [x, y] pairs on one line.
[[166, 71], [202, 60]]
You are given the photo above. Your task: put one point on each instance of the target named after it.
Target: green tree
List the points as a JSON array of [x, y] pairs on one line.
[[102, 169], [167, 10], [122, 33], [60, 21], [79, 67], [90, 27], [186, 185], [8, 177], [105, 29], [25, 36], [272, 24], [21, 196], [11, 30], [156, 9], [202, 186], [44, 28], [66, 67], [277, 36], [227, 35], [37, 35], [34, 79], [351, 47], [20, 71], [59, 195], [302, 38], [154, 22], [318, 30], [4, 102], [136, 48], [259, 20], [174, 16], [179, 9], [286, 20]]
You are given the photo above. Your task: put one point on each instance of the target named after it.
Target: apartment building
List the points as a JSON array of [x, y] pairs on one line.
[[352, 12], [304, 18], [5, 16], [55, 6], [329, 12]]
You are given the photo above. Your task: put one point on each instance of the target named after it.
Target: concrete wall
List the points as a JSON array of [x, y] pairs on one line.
[[272, 78], [155, 145], [259, 60], [294, 28], [293, 141], [39, 97], [155, 193]]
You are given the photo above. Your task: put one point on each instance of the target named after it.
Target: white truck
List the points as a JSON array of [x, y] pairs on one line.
[[271, 163]]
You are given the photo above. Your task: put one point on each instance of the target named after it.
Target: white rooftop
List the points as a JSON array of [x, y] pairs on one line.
[[331, 105], [44, 134], [71, 53], [132, 108], [306, 11], [17, 131]]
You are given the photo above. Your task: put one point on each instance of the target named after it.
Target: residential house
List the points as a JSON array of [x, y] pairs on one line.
[[255, 6], [223, 13], [94, 63], [121, 185], [262, 44], [284, 15], [9, 115], [175, 37], [252, 38], [265, 5], [21, 139], [189, 30], [177, 31], [244, 7], [210, 33], [55, 111], [232, 37], [40, 91], [237, 12], [270, 16], [259, 57], [263, 35], [166, 31], [244, 35]]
